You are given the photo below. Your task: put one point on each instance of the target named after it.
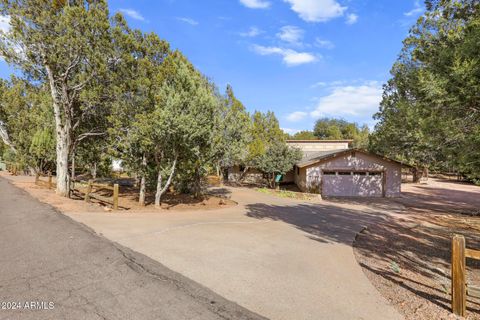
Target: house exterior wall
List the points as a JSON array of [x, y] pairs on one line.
[[309, 178], [301, 179], [315, 146], [289, 177]]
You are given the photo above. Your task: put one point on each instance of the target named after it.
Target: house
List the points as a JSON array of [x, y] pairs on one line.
[[332, 168]]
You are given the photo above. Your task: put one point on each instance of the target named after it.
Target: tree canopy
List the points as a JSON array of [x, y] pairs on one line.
[[91, 90], [430, 112]]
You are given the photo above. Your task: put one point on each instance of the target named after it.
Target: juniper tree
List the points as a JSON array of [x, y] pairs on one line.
[[63, 43]]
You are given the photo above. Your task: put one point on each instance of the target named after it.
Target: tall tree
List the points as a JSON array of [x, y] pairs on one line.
[[27, 123], [185, 124], [303, 135], [235, 131], [338, 129], [138, 75], [65, 44], [279, 158], [430, 113]]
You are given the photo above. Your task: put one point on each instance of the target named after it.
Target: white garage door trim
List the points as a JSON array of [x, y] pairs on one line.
[[353, 183]]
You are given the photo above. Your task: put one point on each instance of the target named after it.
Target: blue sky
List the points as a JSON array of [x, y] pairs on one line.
[[302, 59]]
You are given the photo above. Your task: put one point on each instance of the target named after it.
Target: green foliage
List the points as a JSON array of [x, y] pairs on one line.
[[93, 89], [278, 159], [235, 131], [430, 114], [265, 131], [303, 135], [339, 129], [27, 118], [63, 46]]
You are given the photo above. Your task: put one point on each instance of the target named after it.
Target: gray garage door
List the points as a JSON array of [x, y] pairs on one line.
[[352, 184]]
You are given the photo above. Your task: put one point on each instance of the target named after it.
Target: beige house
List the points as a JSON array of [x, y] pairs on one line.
[[331, 168]]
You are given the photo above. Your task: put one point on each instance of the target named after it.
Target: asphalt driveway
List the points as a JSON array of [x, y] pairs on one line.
[[54, 268], [280, 258]]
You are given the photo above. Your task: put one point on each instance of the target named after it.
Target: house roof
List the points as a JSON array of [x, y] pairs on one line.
[[315, 157]]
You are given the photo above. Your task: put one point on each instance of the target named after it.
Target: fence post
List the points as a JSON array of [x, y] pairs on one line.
[[49, 180], [459, 300], [115, 196], [89, 190]]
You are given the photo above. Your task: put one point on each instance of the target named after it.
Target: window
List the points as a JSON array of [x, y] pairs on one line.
[[360, 173], [344, 173], [329, 173], [374, 173]]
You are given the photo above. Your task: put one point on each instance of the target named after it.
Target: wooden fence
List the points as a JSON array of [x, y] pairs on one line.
[[460, 288], [12, 168], [48, 183], [90, 194]]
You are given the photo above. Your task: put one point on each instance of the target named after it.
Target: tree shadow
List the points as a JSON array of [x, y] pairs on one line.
[[424, 250]]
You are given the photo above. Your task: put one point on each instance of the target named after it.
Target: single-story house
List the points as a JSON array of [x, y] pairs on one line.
[[336, 170], [333, 169]]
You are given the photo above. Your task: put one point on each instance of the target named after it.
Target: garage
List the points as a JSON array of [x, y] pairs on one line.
[[352, 184], [349, 173]]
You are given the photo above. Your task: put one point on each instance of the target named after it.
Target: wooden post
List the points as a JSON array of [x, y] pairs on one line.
[[459, 299], [115, 196], [384, 183], [49, 180], [89, 190]]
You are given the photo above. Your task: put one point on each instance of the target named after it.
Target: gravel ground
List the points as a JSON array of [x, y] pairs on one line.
[[407, 257]]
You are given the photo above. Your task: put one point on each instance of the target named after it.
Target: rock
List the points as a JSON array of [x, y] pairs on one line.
[[222, 202], [107, 209]]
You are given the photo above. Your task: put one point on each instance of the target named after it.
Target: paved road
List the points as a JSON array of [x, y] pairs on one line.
[[47, 258]]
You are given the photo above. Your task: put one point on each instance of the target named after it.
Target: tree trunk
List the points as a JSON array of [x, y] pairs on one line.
[[425, 173], [73, 166], [5, 137], [94, 171], [416, 175], [160, 190], [63, 179], [242, 176], [141, 196], [63, 130], [158, 194]]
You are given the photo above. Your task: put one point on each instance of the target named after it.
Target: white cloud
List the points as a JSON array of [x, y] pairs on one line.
[[255, 4], [352, 100], [291, 34], [5, 23], [188, 20], [417, 9], [290, 57], [326, 44], [290, 131], [132, 14], [296, 116], [252, 32], [352, 18], [318, 85], [317, 10]]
